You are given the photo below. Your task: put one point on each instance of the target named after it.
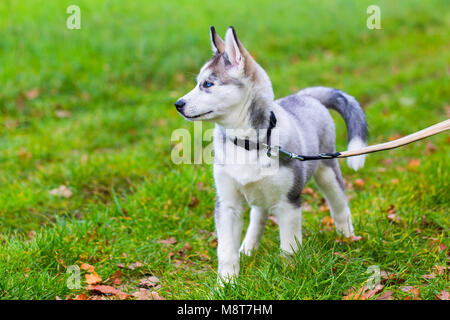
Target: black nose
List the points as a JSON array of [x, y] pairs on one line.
[[179, 104]]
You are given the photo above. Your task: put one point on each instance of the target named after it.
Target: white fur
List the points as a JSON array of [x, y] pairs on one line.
[[241, 176], [356, 162], [335, 196]]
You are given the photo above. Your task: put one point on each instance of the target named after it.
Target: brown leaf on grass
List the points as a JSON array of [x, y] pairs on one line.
[[430, 148], [429, 276], [93, 278], [440, 270], [310, 192], [391, 209], [82, 296], [116, 278], [170, 240], [61, 191], [439, 246], [193, 203], [443, 295], [387, 276], [359, 183], [324, 207], [135, 265], [187, 246], [328, 223], [63, 114], [213, 243], [273, 219], [306, 207], [413, 164], [200, 186], [393, 218], [24, 153], [99, 288], [144, 294], [354, 294], [412, 291], [362, 293], [31, 234], [149, 282], [395, 136], [386, 295], [108, 291], [87, 267], [32, 94], [350, 239], [391, 214]]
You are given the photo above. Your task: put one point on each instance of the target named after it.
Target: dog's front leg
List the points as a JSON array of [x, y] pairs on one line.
[[228, 216], [289, 219]]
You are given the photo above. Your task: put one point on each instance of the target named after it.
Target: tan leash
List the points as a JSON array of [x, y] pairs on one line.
[[419, 135]]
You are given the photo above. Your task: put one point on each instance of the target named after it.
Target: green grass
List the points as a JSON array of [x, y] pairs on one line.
[[118, 77]]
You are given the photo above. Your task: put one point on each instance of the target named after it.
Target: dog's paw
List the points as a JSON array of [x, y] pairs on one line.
[[345, 229]]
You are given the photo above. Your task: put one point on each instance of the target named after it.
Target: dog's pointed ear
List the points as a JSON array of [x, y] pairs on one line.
[[217, 44], [234, 50]]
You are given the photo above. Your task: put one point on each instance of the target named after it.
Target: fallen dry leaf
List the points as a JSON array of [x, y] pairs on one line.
[[413, 164], [193, 203], [273, 219], [87, 267], [107, 290], [93, 278], [310, 192], [328, 223], [350, 239], [61, 191], [99, 288], [443, 295], [430, 148], [145, 294], [32, 94], [170, 240], [116, 278], [395, 136], [324, 207], [62, 114], [149, 282], [359, 183], [413, 291], [306, 207], [200, 186], [82, 296], [440, 270], [386, 295], [362, 293], [135, 265]]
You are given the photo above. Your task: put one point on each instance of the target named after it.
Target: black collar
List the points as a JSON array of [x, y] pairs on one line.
[[250, 145]]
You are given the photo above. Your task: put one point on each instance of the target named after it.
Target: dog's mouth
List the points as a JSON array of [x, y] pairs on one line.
[[197, 116]]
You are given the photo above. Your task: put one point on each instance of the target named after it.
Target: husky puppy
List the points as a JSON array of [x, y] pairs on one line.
[[236, 93]]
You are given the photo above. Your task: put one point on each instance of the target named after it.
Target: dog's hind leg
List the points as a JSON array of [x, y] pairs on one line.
[[329, 179], [258, 219]]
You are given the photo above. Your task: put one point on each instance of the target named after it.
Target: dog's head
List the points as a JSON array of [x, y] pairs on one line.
[[225, 83]]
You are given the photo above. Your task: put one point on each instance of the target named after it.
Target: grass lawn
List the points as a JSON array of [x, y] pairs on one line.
[[92, 109]]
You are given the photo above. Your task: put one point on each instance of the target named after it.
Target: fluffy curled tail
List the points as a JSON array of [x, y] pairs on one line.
[[351, 111]]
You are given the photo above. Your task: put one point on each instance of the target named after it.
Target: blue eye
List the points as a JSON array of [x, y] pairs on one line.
[[207, 84]]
